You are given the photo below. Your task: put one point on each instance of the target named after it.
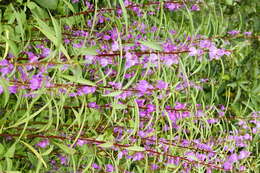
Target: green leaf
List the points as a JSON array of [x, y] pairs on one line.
[[80, 80], [47, 152], [106, 145], [2, 149], [87, 51], [35, 152], [124, 14], [4, 83], [65, 148], [229, 2], [135, 148], [51, 35], [152, 45], [50, 4], [113, 94], [118, 106], [10, 152]]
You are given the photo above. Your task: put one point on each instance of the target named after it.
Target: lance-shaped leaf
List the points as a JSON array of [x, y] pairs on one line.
[[152, 45], [79, 80]]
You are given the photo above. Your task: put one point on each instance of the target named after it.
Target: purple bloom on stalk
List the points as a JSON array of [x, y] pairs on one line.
[[109, 168], [86, 90], [92, 105], [81, 142], [89, 59], [154, 167], [95, 166], [168, 60], [243, 154], [195, 52], [195, 8], [247, 33], [13, 89], [8, 67], [161, 84], [43, 143], [45, 52], [63, 160], [75, 1], [233, 32], [35, 82], [205, 44], [228, 165], [104, 62], [1, 89], [138, 156], [131, 60], [172, 6], [143, 86], [215, 53], [180, 105], [115, 46]]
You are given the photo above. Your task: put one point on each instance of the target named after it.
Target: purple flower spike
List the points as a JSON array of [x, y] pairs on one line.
[[154, 167], [138, 156], [1, 89], [161, 84], [195, 8], [87, 90], [143, 86], [109, 168], [75, 1], [81, 142], [63, 160], [43, 143], [233, 32], [13, 89], [35, 82], [243, 154], [95, 166]]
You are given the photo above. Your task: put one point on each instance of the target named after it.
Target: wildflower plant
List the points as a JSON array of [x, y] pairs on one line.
[[129, 86]]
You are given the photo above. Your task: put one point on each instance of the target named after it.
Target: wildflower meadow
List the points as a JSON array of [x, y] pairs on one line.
[[129, 86]]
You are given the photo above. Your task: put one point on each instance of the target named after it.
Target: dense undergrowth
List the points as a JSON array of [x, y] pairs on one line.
[[129, 86]]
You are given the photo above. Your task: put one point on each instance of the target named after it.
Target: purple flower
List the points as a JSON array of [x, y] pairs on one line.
[[89, 59], [35, 82], [138, 156], [45, 52], [63, 160], [8, 67], [172, 6], [95, 166], [109, 168], [92, 105], [168, 60], [43, 143], [243, 154], [13, 89], [1, 89], [87, 90], [75, 1], [154, 167], [205, 44], [81, 142], [228, 165], [131, 60], [195, 8], [233, 32], [161, 84], [180, 105], [143, 86], [247, 33], [115, 46]]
